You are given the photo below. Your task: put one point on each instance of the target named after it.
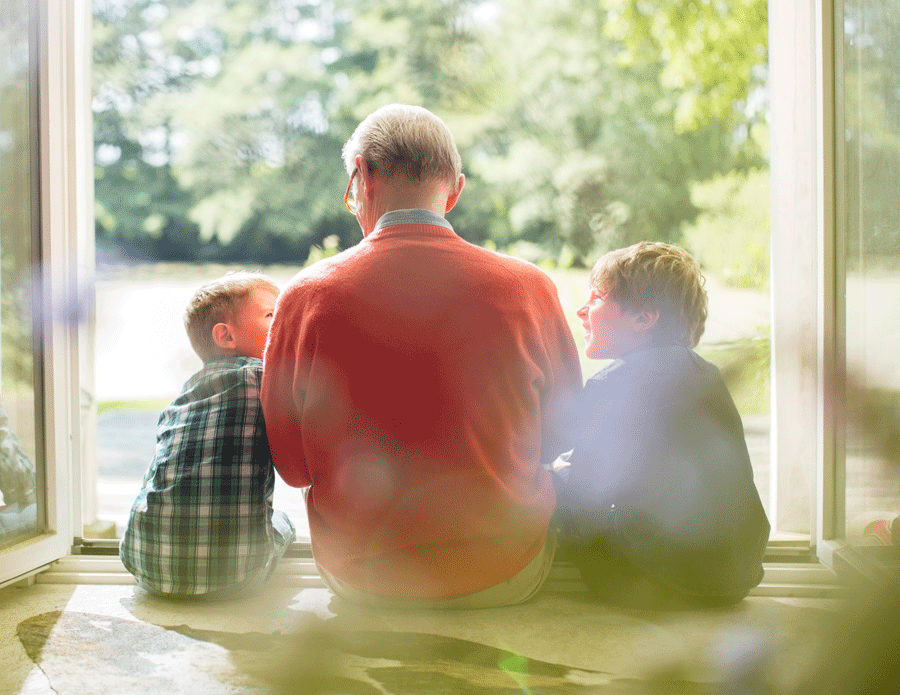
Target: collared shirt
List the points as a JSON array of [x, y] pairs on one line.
[[203, 518], [411, 216]]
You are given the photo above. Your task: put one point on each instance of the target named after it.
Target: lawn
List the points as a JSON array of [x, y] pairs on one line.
[[153, 295]]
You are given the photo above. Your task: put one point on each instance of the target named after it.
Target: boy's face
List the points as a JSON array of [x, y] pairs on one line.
[[251, 325], [610, 330]]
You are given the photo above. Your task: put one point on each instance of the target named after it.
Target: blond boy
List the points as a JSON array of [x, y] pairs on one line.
[[203, 525], [658, 503]]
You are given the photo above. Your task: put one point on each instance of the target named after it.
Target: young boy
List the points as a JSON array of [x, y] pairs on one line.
[[658, 505], [203, 525]]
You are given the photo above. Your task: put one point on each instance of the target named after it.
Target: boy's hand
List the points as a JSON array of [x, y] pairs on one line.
[[561, 462]]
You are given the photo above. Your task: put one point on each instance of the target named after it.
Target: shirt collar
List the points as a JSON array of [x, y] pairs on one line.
[[653, 344], [414, 216]]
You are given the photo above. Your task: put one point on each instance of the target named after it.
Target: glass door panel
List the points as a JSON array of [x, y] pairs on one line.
[[871, 219], [21, 481]]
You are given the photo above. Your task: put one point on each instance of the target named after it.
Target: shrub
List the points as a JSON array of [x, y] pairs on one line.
[[730, 237]]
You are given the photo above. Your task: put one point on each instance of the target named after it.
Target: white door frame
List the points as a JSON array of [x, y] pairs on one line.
[[66, 210]]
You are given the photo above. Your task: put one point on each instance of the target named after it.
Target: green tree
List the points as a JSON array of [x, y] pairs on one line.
[[713, 58], [588, 155], [219, 125], [731, 234], [871, 112]]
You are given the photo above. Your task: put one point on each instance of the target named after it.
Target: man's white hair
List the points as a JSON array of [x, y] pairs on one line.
[[405, 140]]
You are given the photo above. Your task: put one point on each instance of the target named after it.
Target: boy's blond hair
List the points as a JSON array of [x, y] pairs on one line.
[[220, 301], [663, 276]]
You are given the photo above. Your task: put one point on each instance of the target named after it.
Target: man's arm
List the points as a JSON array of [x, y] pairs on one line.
[[283, 389], [564, 382]]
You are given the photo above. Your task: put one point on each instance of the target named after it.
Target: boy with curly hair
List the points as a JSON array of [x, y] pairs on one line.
[[658, 504]]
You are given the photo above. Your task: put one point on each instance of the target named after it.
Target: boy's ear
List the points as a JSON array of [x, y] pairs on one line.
[[646, 319], [223, 336], [454, 195]]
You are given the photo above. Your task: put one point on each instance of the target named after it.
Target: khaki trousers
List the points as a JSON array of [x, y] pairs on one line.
[[518, 589]]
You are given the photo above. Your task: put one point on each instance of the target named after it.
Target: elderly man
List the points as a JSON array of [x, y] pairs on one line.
[[416, 383]]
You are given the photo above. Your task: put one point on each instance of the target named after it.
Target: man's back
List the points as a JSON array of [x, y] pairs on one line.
[[412, 381]]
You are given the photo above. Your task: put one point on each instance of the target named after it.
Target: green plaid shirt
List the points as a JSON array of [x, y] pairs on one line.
[[203, 519]]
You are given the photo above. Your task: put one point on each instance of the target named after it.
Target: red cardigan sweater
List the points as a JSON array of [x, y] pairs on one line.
[[417, 383]]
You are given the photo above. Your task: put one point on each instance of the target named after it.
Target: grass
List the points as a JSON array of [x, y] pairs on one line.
[[156, 405], [745, 367], [744, 363]]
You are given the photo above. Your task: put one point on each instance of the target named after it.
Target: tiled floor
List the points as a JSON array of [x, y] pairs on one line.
[[86, 639]]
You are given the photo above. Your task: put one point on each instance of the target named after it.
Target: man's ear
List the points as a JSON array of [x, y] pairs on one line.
[[645, 319], [223, 336], [367, 178], [454, 195]]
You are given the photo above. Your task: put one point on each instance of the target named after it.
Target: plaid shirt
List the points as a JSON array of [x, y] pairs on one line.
[[203, 518]]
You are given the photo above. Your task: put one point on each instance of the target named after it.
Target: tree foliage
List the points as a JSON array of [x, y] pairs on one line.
[[731, 233], [582, 123], [871, 85], [713, 54]]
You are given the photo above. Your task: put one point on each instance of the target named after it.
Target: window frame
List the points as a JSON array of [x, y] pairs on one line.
[[833, 549], [807, 344], [807, 333], [59, 38]]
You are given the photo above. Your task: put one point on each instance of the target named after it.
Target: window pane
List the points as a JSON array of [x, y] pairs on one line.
[[872, 153], [19, 441]]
